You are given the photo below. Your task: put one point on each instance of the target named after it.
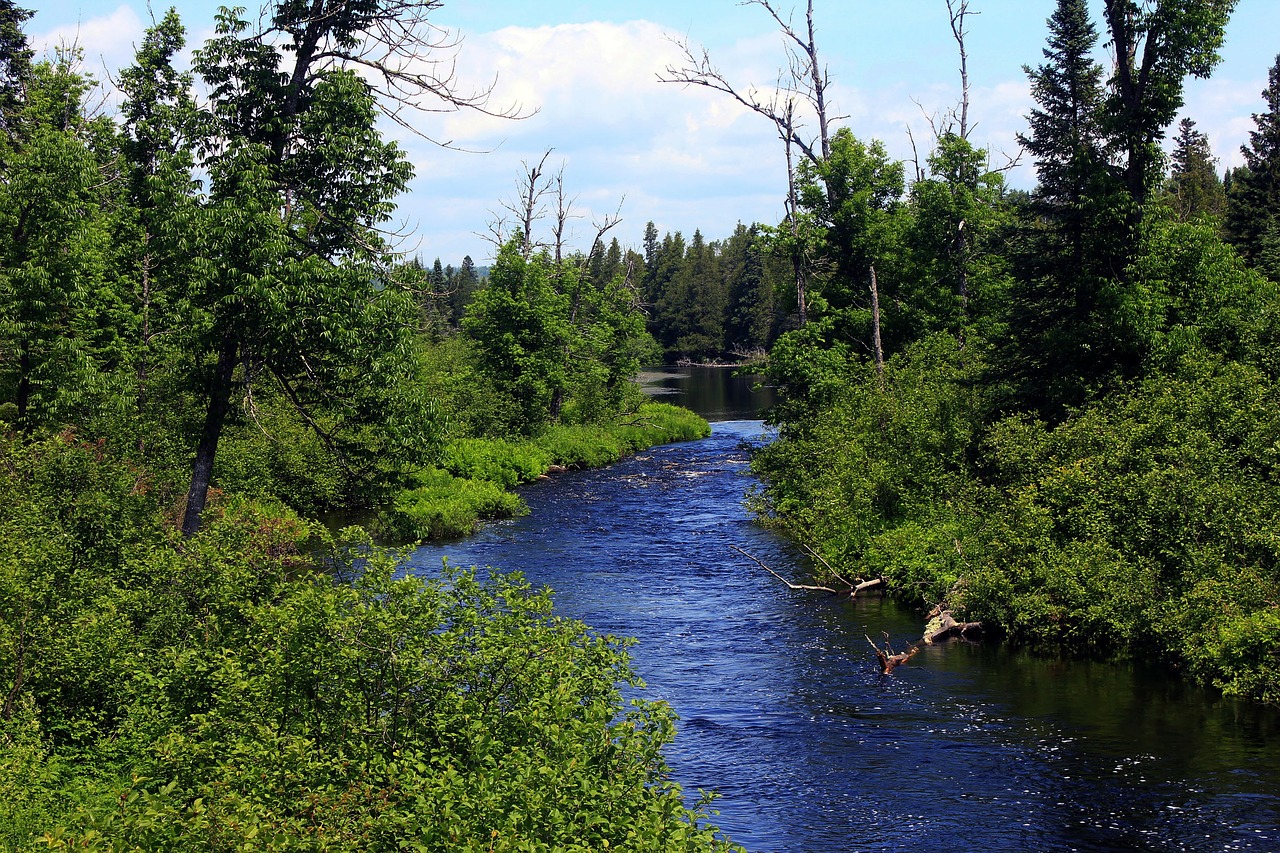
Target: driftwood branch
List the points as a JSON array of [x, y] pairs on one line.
[[789, 584], [815, 555], [888, 658], [863, 586]]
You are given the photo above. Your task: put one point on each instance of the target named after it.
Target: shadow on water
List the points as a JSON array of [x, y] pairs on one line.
[[783, 713]]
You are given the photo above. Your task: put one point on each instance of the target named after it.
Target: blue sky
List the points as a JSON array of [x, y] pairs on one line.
[[689, 158]]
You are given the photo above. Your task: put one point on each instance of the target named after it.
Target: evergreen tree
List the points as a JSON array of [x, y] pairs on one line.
[[15, 60], [662, 271], [1194, 188], [698, 299], [750, 321], [1253, 205], [1066, 137], [1060, 340], [651, 245], [464, 290]]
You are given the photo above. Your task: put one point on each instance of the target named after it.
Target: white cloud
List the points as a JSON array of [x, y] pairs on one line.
[[684, 157], [108, 41]]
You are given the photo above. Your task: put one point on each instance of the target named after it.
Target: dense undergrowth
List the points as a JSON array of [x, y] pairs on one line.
[[1141, 526], [268, 685]]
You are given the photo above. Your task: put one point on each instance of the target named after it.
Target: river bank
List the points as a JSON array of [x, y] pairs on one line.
[[473, 480]]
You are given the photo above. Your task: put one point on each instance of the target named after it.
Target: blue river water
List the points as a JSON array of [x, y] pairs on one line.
[[784, 714]]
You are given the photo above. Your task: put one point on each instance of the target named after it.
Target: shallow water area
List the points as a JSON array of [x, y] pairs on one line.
[[784, 714]]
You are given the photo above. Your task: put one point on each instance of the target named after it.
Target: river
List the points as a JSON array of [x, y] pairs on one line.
[[968, 747]]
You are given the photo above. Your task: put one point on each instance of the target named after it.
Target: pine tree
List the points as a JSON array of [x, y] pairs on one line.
[[1253, 205], [15, 60], [464, 290], [1194, 188], [1058, 340]]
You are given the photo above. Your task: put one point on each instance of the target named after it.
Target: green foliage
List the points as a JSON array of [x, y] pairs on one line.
[[56, 312], [853, 202], [554, 345], [956, 239], [520, 326], [1136, 525], [506, 463], [875, 468]]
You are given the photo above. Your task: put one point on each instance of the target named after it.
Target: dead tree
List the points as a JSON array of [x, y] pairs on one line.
[[877, 344], [789, 584], [942, 624], [958, 10], [804, 79]]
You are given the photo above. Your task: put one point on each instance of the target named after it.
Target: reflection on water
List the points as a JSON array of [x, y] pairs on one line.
[[716, 393], [968, 747]]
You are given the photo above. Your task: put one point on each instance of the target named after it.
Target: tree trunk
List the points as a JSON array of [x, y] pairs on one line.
[[23, 398], [877, 344], [202, 467]]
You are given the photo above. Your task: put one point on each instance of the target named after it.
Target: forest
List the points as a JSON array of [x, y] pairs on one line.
[[1053, 412]]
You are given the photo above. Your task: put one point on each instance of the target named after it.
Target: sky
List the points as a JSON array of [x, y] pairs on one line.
[[584, 74]]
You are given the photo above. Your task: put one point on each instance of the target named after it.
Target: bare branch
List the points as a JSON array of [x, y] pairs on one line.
[[789, 584]]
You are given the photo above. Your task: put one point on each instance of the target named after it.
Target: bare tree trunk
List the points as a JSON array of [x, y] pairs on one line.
[[876, 343], [797, 256], [958, 9], [23, 398], [219, 400]]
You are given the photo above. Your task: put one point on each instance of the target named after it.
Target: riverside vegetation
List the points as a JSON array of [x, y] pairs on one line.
[[1052, 412]]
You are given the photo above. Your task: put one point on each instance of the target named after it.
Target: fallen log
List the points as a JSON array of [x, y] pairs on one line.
[[863, 586], [942, 625]]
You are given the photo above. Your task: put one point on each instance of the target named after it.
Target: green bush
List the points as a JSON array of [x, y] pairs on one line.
[[263, 686]]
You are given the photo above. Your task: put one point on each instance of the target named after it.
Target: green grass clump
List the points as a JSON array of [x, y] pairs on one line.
[[507, 463], [593, 445], [471, 483], [445, 506]]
